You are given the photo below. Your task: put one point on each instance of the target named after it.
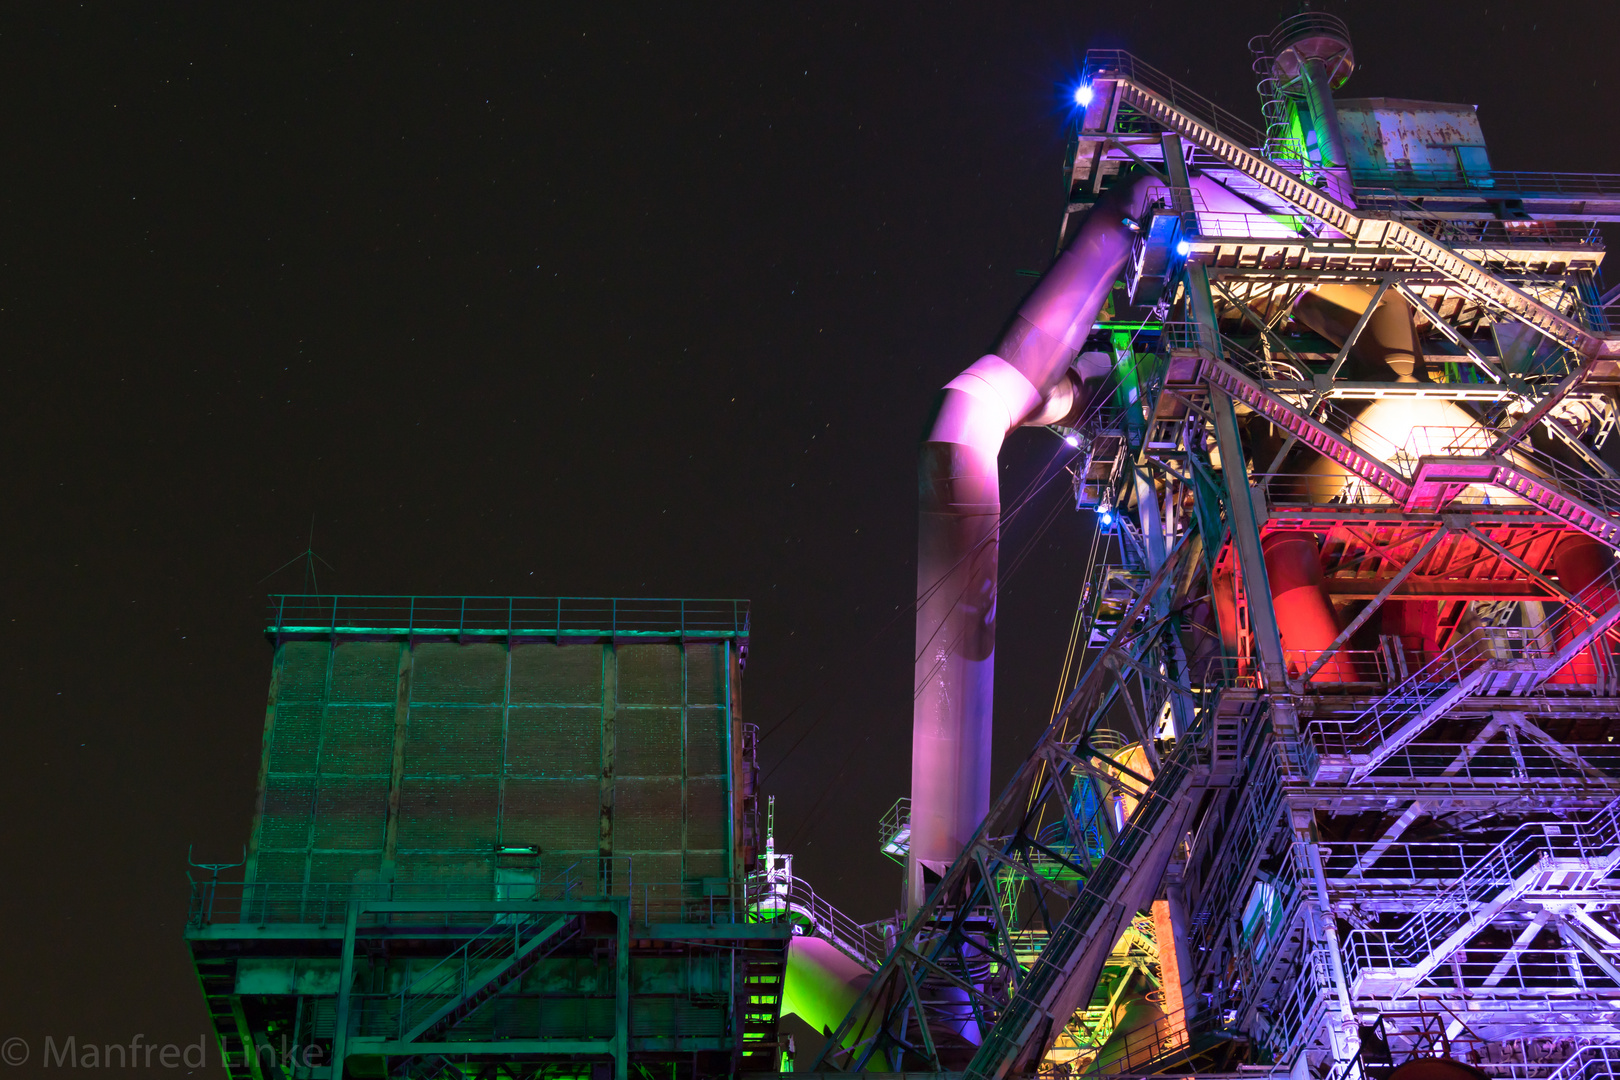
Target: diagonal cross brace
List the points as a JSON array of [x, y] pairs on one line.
[[1462, 272], [1378, 601], [491, 981], [1323, 440]]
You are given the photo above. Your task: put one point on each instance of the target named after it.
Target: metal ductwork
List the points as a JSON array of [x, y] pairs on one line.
[[1028, 380]]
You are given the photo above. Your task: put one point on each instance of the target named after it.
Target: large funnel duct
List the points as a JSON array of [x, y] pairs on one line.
[[1026, 380]]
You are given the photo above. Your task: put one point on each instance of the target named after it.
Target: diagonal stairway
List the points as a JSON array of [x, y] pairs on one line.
[[1480, 663], [1178, 1039], [1159, 98], [1595, 510], [763, 979], [1536, 855], [1122, 883], [218, 979], [530, 941]]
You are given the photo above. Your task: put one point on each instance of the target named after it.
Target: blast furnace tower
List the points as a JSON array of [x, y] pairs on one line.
[[1336, 794]]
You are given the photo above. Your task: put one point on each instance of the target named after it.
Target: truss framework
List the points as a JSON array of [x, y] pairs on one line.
[[1360, 832]]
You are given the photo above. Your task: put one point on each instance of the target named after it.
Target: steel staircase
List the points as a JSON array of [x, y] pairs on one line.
[[1161, 100], [760, 1012], [1328, 443], [1594, 511], [1168, 1042], [1120, 884], [218, 980], [455, 988], [1486, 661], [1536, 855]]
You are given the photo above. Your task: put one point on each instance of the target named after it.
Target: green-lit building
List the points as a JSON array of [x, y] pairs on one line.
[[496, 836]]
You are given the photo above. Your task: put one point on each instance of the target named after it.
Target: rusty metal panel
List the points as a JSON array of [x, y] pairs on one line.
[[1426, 138]]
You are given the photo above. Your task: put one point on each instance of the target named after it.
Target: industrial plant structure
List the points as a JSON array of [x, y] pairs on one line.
[[1335, 793]]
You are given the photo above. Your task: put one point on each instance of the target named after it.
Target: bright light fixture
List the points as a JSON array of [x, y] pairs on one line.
[[1082, 95], [1183, 248], [1072, 440], [1107, 517]]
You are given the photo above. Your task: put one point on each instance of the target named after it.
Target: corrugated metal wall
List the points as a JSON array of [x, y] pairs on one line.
[[383, 760]]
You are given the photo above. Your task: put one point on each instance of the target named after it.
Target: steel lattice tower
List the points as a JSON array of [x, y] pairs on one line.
[[1343, 417]]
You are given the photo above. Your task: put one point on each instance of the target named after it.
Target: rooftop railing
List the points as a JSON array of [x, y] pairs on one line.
[[1116, 63], [1499, 182], [263, 903], [498, 617]]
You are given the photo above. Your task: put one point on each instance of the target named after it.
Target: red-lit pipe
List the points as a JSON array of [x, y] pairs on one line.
[[1306, 620], [1582, 563]]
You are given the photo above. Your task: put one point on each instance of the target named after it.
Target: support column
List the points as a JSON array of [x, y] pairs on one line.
[[610, 699], [1244, 524], [396, 772]]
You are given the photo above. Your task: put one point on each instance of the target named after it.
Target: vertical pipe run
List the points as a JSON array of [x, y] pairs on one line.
[[1026, 380], [1323, 113], [1306, 620], [1581, 561]]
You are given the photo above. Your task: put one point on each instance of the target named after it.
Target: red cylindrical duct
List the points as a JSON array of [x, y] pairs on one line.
[[1417, 624], [1582, 564], [1306, 620], [1223, 596]]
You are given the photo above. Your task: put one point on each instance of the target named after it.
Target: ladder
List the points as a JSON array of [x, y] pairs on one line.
[[760, 1012], [218, 980]]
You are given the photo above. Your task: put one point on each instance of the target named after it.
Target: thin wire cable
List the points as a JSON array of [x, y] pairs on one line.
[[1025, 499]]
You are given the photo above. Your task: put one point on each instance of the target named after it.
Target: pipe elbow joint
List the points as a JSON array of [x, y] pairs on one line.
[[1062, 404], [983, 404]]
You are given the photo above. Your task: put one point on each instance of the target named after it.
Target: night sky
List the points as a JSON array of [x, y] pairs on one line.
[[539, 301]]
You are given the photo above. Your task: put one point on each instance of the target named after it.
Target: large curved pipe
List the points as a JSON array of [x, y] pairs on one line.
[[822, 985], [1387, 345], [1025, 381]]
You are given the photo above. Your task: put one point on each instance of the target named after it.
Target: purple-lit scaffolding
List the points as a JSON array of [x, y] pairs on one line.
[[1336, 788]]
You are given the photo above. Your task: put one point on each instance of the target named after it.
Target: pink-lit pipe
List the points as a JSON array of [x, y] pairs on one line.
[[1025, 381]]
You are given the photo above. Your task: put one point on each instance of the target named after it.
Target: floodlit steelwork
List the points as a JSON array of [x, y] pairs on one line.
[[1336, 794], [498, 837]]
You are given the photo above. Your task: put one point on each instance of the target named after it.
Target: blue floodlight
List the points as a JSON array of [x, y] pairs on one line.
[[1082, 95], [1183, 248], [1107, 517]]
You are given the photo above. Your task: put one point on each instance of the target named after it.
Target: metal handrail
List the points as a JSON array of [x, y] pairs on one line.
[[1593, 843], [860, 942], [1541, 648], [507, 616], [1106, 63], [325, 902], [1500, 181]]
